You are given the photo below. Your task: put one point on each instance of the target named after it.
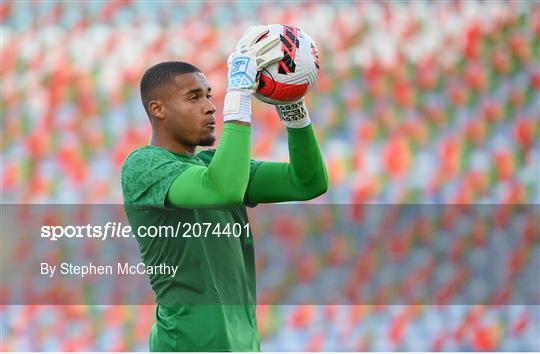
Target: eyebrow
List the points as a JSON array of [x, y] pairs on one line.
[[197, 90]]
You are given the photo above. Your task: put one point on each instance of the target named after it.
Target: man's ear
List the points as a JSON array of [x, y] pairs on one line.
[[156, 109]]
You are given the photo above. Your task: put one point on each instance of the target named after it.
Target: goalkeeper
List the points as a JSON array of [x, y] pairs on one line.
[[209, 305]]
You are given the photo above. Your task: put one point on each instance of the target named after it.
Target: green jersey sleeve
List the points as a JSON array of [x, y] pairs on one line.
[[303, 178], [147, 174], [207, 155], [221, 183]]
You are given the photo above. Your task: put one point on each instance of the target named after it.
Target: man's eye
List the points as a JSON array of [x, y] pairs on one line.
[[209, 96], [194, 98]]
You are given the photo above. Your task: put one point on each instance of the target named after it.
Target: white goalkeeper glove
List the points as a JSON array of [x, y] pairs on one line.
[[294, 115], [244, 65]]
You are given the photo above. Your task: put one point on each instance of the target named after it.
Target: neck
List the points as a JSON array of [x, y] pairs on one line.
[[173, 146]]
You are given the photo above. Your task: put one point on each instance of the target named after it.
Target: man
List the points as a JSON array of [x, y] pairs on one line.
[[209, 304]]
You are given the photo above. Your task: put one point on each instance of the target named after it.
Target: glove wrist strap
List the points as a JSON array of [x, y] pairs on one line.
[[294, 115], [237, 106]]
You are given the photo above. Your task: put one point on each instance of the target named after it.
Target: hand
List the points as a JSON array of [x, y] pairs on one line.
[[251, 55], [294, 114]]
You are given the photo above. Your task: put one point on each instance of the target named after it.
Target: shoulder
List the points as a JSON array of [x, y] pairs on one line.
[[147, 174], [149, 161], [146, 156]]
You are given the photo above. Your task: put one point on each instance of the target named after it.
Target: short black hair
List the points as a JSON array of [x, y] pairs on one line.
[[162, 74]]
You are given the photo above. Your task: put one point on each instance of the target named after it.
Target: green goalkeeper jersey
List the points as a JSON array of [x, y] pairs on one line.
[[210, 303], [214, 287]]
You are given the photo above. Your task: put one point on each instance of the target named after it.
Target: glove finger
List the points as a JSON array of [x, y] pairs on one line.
[[265, 45], [272, 56], [250, 37], [230, 58]]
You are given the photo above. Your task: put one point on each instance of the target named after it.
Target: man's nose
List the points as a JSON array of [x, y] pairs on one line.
[[209, 108]]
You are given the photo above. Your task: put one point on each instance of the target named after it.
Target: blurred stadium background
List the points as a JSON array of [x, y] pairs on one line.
[[416, 102]]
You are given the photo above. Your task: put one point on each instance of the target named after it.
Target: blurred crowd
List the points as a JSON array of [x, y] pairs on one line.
[[294, 328], [416, 102]]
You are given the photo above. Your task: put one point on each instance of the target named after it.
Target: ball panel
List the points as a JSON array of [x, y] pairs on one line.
[[289, 46], [267, 84], [283, 93], [288, 92]]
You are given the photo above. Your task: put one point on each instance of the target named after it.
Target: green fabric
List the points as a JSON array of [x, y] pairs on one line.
[[223, 183], [303, 178], [209, 305]]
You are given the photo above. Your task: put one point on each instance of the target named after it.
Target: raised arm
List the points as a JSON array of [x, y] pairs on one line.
[[304, 177], [225, 180]]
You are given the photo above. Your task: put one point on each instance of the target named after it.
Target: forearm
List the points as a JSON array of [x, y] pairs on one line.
[[303, 178], [306, 167], [224, 181]]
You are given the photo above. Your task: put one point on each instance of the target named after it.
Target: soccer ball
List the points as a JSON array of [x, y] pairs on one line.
[[291, 78]]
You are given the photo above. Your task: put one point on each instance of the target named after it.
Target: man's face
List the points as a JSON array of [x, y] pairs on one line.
[[189, 111]]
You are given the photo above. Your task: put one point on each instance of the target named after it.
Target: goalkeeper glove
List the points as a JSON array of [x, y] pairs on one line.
[[244, 65], [294, 115]]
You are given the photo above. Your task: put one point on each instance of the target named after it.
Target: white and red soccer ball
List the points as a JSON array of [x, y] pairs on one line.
[[291, 78]]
